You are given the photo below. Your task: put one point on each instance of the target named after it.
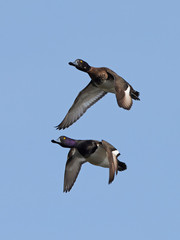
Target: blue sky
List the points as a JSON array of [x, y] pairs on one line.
[[140, 41]]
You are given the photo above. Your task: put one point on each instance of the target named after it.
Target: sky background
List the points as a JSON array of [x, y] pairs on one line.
[[140, 41]]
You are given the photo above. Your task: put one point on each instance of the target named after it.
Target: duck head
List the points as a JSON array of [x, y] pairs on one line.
[[81, 65], [64, 141]]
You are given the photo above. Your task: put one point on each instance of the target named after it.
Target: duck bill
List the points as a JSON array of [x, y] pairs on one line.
[[58, 141], [73, 64]]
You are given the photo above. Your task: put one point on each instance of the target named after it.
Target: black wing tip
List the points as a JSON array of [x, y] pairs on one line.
[[110, 181], [59, 127], [66, 189], [53, 141], [64, 125]]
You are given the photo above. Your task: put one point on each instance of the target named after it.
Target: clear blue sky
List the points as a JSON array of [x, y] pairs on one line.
[[140, 40]]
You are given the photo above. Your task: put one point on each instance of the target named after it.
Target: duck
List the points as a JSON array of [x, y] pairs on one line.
[[98, 153], [103, 81]]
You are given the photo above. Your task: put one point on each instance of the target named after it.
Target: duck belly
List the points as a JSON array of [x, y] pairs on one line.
[[99, 158]]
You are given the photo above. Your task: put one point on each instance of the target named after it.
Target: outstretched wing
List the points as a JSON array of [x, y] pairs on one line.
[[85, 99], [73, 166]]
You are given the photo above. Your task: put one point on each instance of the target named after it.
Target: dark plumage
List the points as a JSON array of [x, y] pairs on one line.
[[98, 153], [103, 80]]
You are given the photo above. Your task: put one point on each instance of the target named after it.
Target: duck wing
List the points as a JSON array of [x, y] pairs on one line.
[[72, 169], [122, 90], [112, 154], [85, 99]]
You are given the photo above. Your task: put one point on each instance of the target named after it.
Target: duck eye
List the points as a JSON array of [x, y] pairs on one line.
[[81, 61], [64, 137]]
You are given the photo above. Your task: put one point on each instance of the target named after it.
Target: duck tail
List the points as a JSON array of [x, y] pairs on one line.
[[135, 95], [121, 166]]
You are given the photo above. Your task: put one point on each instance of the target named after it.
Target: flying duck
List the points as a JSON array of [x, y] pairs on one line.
[[103, 80], [98, 153]]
